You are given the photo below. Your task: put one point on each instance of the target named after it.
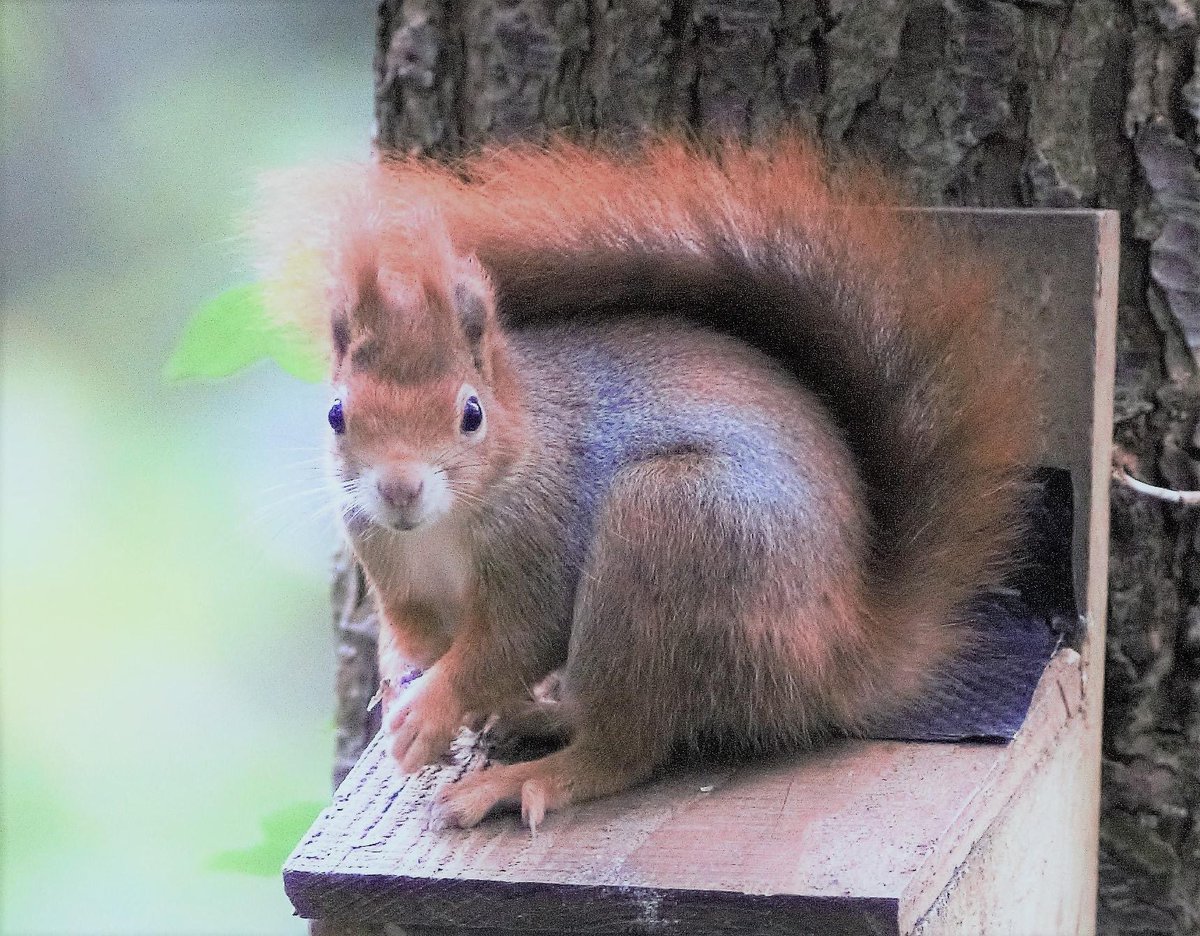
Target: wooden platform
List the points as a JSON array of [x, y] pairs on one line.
[[875, 837], [859, 837]]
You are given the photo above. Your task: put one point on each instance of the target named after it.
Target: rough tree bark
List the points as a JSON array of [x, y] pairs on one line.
[[1088, 103]]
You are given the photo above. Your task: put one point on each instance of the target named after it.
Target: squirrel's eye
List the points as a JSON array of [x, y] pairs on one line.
[[472, 414], [337, 419]]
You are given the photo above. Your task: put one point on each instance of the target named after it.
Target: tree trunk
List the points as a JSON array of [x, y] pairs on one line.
[[1088, 103]]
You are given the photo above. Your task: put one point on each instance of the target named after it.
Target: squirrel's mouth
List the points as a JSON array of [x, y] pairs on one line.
[[402, 519], [359, 519], [404, 525]]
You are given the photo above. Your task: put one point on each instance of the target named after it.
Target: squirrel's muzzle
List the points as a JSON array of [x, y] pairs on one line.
[[407, 496], [401, 494]]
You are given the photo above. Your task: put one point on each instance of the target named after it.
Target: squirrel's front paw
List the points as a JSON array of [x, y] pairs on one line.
[[421, 721]]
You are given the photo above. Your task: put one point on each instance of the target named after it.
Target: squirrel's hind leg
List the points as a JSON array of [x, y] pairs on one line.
[[689, 624], [609, 685]]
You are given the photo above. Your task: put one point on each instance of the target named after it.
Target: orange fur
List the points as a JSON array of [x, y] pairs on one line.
[[900, 412]]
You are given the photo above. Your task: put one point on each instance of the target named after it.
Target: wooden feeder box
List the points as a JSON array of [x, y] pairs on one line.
[[874, 836]]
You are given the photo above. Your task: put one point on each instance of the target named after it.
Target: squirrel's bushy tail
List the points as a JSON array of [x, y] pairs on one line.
[[894, 328]]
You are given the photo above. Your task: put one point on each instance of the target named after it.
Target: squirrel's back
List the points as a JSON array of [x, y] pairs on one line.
[[603, 395], [773, 536]]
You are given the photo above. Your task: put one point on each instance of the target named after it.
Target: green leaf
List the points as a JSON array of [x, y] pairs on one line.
[[296, 352], [225, 335], [233, 331], [281, 830]]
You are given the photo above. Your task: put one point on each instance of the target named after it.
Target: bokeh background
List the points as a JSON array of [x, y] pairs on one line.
[[165, 655]]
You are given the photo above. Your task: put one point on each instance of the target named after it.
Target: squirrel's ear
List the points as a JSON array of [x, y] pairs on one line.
[[474, 305], [316, 232]]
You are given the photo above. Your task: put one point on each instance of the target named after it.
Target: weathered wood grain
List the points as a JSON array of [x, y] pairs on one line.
[[854, 837]]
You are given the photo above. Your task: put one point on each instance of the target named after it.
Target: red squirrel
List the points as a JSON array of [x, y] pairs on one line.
[[707, 434]]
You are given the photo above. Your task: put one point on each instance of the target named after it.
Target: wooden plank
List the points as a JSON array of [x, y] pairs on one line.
[[1044, 844], [1033, 871], [862, 833], [854, 837], [1060, 294]]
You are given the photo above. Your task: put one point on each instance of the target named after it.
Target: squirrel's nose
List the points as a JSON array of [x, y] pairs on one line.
[[401, 493]]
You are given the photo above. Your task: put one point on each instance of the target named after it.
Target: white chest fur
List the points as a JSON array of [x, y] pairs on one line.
[[433, 565]]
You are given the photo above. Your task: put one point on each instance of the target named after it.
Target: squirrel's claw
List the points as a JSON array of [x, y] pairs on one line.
[[467, 801], [536, 787]]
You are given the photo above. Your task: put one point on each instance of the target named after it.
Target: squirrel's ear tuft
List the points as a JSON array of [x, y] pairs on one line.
[[316, 233], [474, 304]]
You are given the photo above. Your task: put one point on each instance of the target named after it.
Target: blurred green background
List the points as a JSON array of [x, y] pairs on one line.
[[166, 680]]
